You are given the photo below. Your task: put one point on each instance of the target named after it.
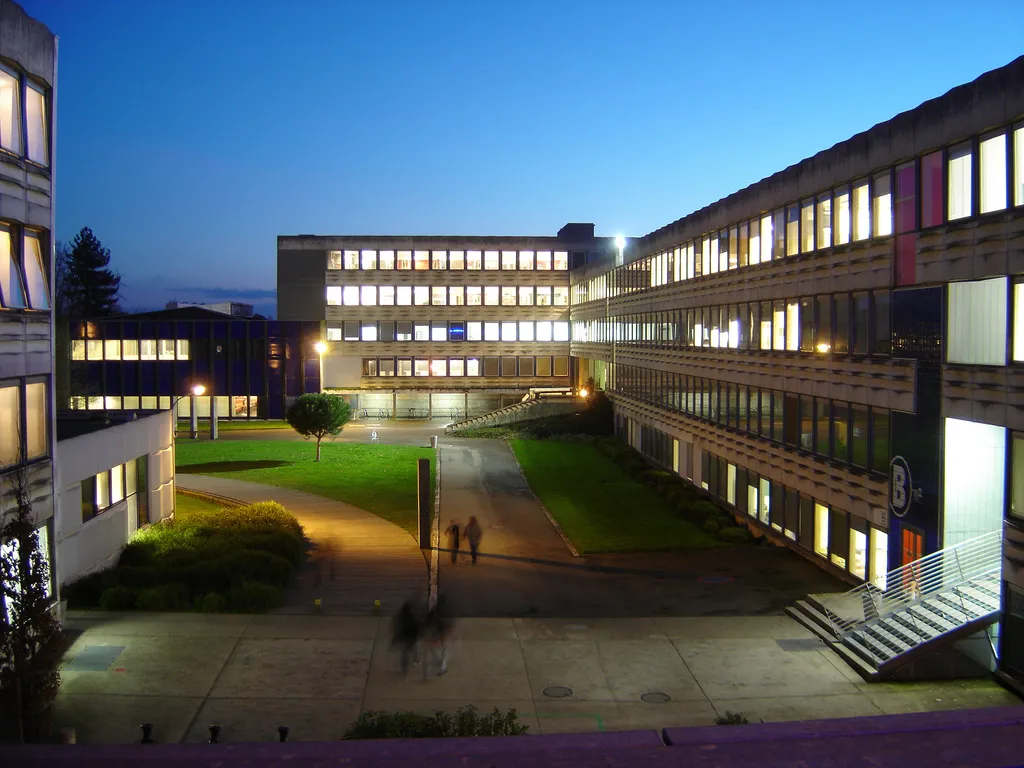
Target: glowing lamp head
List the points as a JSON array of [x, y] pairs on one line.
[[824, 347], [198, 389], [584, 393], [320, 347], [620, 242]]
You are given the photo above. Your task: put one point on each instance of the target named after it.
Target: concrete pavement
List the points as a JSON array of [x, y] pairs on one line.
[[249, 674], [355, 558]]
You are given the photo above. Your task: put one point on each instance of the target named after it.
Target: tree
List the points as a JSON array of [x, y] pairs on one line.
[[29, 632], [91, 289], [61, 262], [318, 415]]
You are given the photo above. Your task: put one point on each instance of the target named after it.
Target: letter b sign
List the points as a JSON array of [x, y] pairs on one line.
[[900, 486]]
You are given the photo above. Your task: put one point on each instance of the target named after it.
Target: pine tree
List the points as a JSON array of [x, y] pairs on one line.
[[91, 289]]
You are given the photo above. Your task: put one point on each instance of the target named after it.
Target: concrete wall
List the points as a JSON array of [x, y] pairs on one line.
[[96, 543]]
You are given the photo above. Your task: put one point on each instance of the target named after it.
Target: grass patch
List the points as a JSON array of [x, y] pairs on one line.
[[599, 507], [378, 478], [225, 425], [207, 558]]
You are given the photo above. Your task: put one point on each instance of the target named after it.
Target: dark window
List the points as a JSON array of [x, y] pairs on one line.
[[526, 366], [882, 344], [823, 430], [89, 510], [350, 330], [807, 334], [561, 364], [806, 423], [403, 330], [841, 431], [880, 440], [387, 330], [456, 330], [806, 533], [792, 518], [755, 325], [369, 366], [860, 436], [508, 366], [931, 189], [841, 336], [492, 366], [823, 320], [861, 322], [906, 199], [142, 489], [777, 420], [792, 420]]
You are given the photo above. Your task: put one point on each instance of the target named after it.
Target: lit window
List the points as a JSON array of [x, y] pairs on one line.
[[10, 425], [560, 330], [102, 490], [368, 295], [456, 260], [492, 331], [387, 366], [334, 259], [112, 349], [508, 296], [456, 366], [767, 237], [334, 334], [977, 322], [543, 296], [403, 295], [35, 273], [117, 484], [861, 212], [544, 260], [561, 296], [842, 216], [421, 332], [807, 226], [779, 325], [993, 174], [35, 126], [1018, 324], [526, 330], [526, 295], [386, 260], [78, 349], [351, 259], [439, 259], [508, 259], [368, 331], [439, 331], [421, 367], [824, 222], [10, 112], [474, 260], [491, 295], [821, 530], [713, 254], [370, 367], [793, 326], [403, 330], [883, 205], [491, 260], [858, 553], [792, 230], [474, 294], [472, 366], [439, 366], [508, 331], [421, 259], [474, 331], [544, 331], [1018, 166], [438, 295], [959, 191], [368, 259], [181, 349], [456, 295], [526, 260], [94, 350], [404, 366], [350, 295], [11, 290], [166, 349], [404, 261], [334, 295], [561, 260], [879, 564], [130, 349], [421, 296], [387, 295]]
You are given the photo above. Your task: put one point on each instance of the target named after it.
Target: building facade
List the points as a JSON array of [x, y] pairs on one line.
[[836, 351], [249, 368], [437, 327], [28, 69]]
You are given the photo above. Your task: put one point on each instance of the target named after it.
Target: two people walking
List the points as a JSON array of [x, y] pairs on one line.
[[472, 533], [424, 641]]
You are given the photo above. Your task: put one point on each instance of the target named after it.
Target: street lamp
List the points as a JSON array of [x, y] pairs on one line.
[[620, 243], [193, 424], [321, 348]]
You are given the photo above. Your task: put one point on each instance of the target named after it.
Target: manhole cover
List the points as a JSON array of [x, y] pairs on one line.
[[558, 691], [656, 698]]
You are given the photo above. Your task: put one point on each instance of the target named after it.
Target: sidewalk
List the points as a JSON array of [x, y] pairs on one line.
[[356, 558], [250, 674]]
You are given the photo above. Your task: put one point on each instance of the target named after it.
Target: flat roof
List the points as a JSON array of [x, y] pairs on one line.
[[77, 423]]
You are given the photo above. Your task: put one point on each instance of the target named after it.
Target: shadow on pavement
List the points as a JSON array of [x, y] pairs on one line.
[[580, 566], [230, 466]]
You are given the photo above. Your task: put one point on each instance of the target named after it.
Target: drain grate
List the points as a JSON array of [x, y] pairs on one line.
[[655, 697], [558, 691], [800, 644], [94, 658]]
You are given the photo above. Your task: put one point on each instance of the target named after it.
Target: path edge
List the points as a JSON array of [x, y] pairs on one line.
[[544, 509], [435, 531]]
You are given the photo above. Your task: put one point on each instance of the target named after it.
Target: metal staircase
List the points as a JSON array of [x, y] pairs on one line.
[[938, 599]]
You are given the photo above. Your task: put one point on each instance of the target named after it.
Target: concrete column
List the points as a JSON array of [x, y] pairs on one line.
[[430, 405], [465, 405], [213, 417], [423, 506], [193, 417], [394, 405]]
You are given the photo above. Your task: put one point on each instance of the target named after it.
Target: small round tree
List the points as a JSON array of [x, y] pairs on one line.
[[318, 415]]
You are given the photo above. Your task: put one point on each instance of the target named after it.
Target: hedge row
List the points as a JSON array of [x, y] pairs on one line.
[[235, 559], [373, 724]]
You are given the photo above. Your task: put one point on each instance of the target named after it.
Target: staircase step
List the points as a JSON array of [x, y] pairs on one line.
[[866, 670], [921, 612], [878, 643], [813, 619], [948, 607], [914, 632], [981, 598], [959, 607], [856, 645], [892, 641]]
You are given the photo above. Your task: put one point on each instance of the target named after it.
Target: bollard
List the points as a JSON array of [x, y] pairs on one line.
[[282, 733], [68, 736], [147, 733], [214, 734]]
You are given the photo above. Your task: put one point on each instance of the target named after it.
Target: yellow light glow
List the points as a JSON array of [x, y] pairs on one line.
[[198, 389], [823, 347], [620, 242], [584, 393], [320, 347]]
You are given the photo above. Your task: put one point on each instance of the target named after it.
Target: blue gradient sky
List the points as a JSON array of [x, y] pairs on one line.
[[191, 133]]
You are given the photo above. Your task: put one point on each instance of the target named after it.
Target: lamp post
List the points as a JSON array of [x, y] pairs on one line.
[[620, 243], [321, 348], [197, 390]]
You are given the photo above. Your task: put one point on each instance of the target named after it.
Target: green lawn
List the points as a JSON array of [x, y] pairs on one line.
[[378, 478], [598, 507], [225, 425], [186, 505]]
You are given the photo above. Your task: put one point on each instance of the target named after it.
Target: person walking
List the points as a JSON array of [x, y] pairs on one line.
[[405, 633], [452, 532], [473, 533], [438, 628]]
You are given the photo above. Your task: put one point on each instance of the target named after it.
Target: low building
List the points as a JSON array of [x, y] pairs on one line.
[[232, 308], [115, 475]]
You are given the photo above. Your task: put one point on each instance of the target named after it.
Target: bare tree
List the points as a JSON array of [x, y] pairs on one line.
[[29, 632]]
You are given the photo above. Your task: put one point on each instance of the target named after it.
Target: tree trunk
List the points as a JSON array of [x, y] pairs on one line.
[[318, 448]]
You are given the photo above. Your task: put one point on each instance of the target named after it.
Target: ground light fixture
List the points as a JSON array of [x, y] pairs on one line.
[[824, 347]]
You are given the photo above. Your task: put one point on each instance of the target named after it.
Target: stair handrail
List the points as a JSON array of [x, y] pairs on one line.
[[914, 581], [456, 425]]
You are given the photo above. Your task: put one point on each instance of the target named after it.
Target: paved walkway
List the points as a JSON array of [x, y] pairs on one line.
[[250, 674], [356, 557], [525, 568]]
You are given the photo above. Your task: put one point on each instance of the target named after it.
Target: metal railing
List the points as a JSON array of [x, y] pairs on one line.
[[938, 573]]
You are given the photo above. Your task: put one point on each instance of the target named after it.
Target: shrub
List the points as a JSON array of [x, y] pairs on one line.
[[205, 576], [117, 599], [88, 590], [284, 545], [711, 526], [703, 509], [655, 477], [212, 602], [731, 718], [140, 551], [734, 535], [257, 565], [137, 577], [166, 597], [373, 724], [253, 597]]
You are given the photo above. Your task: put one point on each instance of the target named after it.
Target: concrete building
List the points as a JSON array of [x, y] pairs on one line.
[[28, 79], [115, 475], [426, 327], [836, 350], [233, 308]]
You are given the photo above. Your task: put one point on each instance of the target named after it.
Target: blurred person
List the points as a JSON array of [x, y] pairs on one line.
[[452, 532], [437, 629], [405, 633], [473, 533]]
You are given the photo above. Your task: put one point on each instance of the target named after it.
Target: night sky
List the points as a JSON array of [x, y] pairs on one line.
[[191, 133]]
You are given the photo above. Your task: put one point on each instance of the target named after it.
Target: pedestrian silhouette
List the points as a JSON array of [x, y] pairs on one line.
[[437, 630], [473, 533], [405, 633], [452, 532]]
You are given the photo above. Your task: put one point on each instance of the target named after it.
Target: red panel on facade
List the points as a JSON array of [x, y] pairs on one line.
[[905, 259]]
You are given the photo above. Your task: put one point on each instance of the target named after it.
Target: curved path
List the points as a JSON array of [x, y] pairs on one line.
[[356, 557]]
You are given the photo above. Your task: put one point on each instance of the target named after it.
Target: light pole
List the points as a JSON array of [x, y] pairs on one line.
[[197, 390], [620, 243], [321, 348]]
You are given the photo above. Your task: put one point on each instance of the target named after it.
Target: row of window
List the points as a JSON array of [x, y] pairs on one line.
[[490, 367], [101, 492], [450, 330], [448, 260], [979, 325], [832, 429], [23, 282], [842, 323], [31, 123], [234, 406], [130, 349], [23, 421], [447, 295], [970, 178]]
